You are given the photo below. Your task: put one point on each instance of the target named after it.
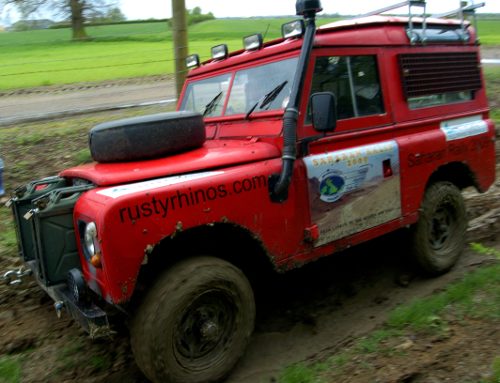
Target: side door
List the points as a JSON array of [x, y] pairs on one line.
[[353, 173]]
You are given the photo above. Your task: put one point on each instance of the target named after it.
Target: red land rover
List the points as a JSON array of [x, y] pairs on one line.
[[280, 153]]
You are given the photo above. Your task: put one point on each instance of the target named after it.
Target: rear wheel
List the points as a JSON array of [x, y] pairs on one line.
[[195, 322], [439, 235]]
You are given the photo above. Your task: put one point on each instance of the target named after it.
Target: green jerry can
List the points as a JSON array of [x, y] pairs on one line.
[[43, 212]]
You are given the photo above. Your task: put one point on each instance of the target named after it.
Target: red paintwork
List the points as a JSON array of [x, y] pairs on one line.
[[213, 154], [124, 241], [249, 151]]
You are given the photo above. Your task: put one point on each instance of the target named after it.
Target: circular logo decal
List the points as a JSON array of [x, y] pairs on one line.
[[331, 187]]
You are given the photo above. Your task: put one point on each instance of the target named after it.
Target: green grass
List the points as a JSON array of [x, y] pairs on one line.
[[301, 373], [10, 369], [425, 314], [371, 344], [495, 378], [477, 296], [8, 240], [82, 156], [489, 32], [492, 73], [48, 57]]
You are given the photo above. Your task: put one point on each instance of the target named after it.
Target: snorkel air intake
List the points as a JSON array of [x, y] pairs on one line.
[[280, 183]]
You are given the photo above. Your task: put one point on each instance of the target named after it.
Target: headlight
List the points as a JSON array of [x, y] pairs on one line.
[[90, 238]]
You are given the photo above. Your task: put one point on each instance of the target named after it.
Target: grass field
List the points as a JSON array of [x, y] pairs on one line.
[[489, 32], [48, 57]]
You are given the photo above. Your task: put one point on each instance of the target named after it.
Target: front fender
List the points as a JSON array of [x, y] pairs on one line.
[[132, 219]]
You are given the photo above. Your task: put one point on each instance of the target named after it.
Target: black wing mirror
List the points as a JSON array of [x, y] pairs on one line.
[[324, 111]]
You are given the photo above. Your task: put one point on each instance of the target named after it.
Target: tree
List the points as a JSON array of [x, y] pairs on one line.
[[115, 15], [76, 11], [196, 11], [195, 16], [112, 15]]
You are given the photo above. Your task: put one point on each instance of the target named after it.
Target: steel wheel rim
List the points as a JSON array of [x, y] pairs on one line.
[[442, 226], [204, 329]]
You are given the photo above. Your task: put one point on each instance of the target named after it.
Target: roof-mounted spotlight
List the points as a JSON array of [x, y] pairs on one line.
[[293, 29], [193, 61], [253, 42], [220, 52]]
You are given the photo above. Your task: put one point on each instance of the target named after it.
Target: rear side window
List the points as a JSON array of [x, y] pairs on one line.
[[355, 82], [431, 79]]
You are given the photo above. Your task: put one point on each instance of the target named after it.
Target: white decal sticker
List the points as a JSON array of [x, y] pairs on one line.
[[119, 191], [354, 189], [464, 127]]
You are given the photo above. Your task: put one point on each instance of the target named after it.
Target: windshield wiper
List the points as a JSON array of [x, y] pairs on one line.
[[209, 108], [267, 99]]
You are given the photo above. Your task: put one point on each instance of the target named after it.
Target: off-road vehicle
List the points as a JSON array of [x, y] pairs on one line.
[[279, 154]]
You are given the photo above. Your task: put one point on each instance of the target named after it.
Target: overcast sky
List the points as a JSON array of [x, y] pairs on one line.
[[144, 9]]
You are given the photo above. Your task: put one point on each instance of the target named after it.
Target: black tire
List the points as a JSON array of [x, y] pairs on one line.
[[438, 238], [194, 323], [146, 137]]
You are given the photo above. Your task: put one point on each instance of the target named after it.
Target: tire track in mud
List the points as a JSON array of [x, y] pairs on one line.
[[327, 306]]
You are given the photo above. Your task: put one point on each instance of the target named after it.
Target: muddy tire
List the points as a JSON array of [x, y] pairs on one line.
[[194, 323], [438, 238], [146, 137]]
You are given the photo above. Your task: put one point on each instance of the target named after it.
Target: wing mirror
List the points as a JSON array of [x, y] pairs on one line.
[[324, 111]]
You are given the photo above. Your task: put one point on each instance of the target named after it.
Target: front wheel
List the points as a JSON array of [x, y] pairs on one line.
[[194, 323], [438, 238]]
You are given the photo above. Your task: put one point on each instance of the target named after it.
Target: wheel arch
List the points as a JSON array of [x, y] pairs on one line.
[[458, 173], [227, 241]]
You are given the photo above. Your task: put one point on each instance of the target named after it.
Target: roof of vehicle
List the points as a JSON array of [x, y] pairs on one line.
[[379, 19], [371, 31]]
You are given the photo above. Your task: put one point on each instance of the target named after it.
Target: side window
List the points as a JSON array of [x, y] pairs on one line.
[[355, 82], [431, 79]]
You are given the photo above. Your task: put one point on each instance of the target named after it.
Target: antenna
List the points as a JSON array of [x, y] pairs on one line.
[[267, 30]]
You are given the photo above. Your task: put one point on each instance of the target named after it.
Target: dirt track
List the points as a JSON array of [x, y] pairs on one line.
[[51, 102]]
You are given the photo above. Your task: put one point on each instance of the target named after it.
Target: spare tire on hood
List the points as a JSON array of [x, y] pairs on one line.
[[146, 137]]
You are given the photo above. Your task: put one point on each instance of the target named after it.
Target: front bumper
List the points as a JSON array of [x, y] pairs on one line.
[[91, 317]]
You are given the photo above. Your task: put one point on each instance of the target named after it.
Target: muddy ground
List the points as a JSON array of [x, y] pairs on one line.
[[304, 315]]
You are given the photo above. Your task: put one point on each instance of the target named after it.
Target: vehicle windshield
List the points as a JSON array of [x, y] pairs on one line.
[[256, 89]]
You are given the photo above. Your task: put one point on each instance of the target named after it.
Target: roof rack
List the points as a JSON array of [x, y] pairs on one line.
[[413, 34], [464, 10], [422, 34], [402, 4]]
